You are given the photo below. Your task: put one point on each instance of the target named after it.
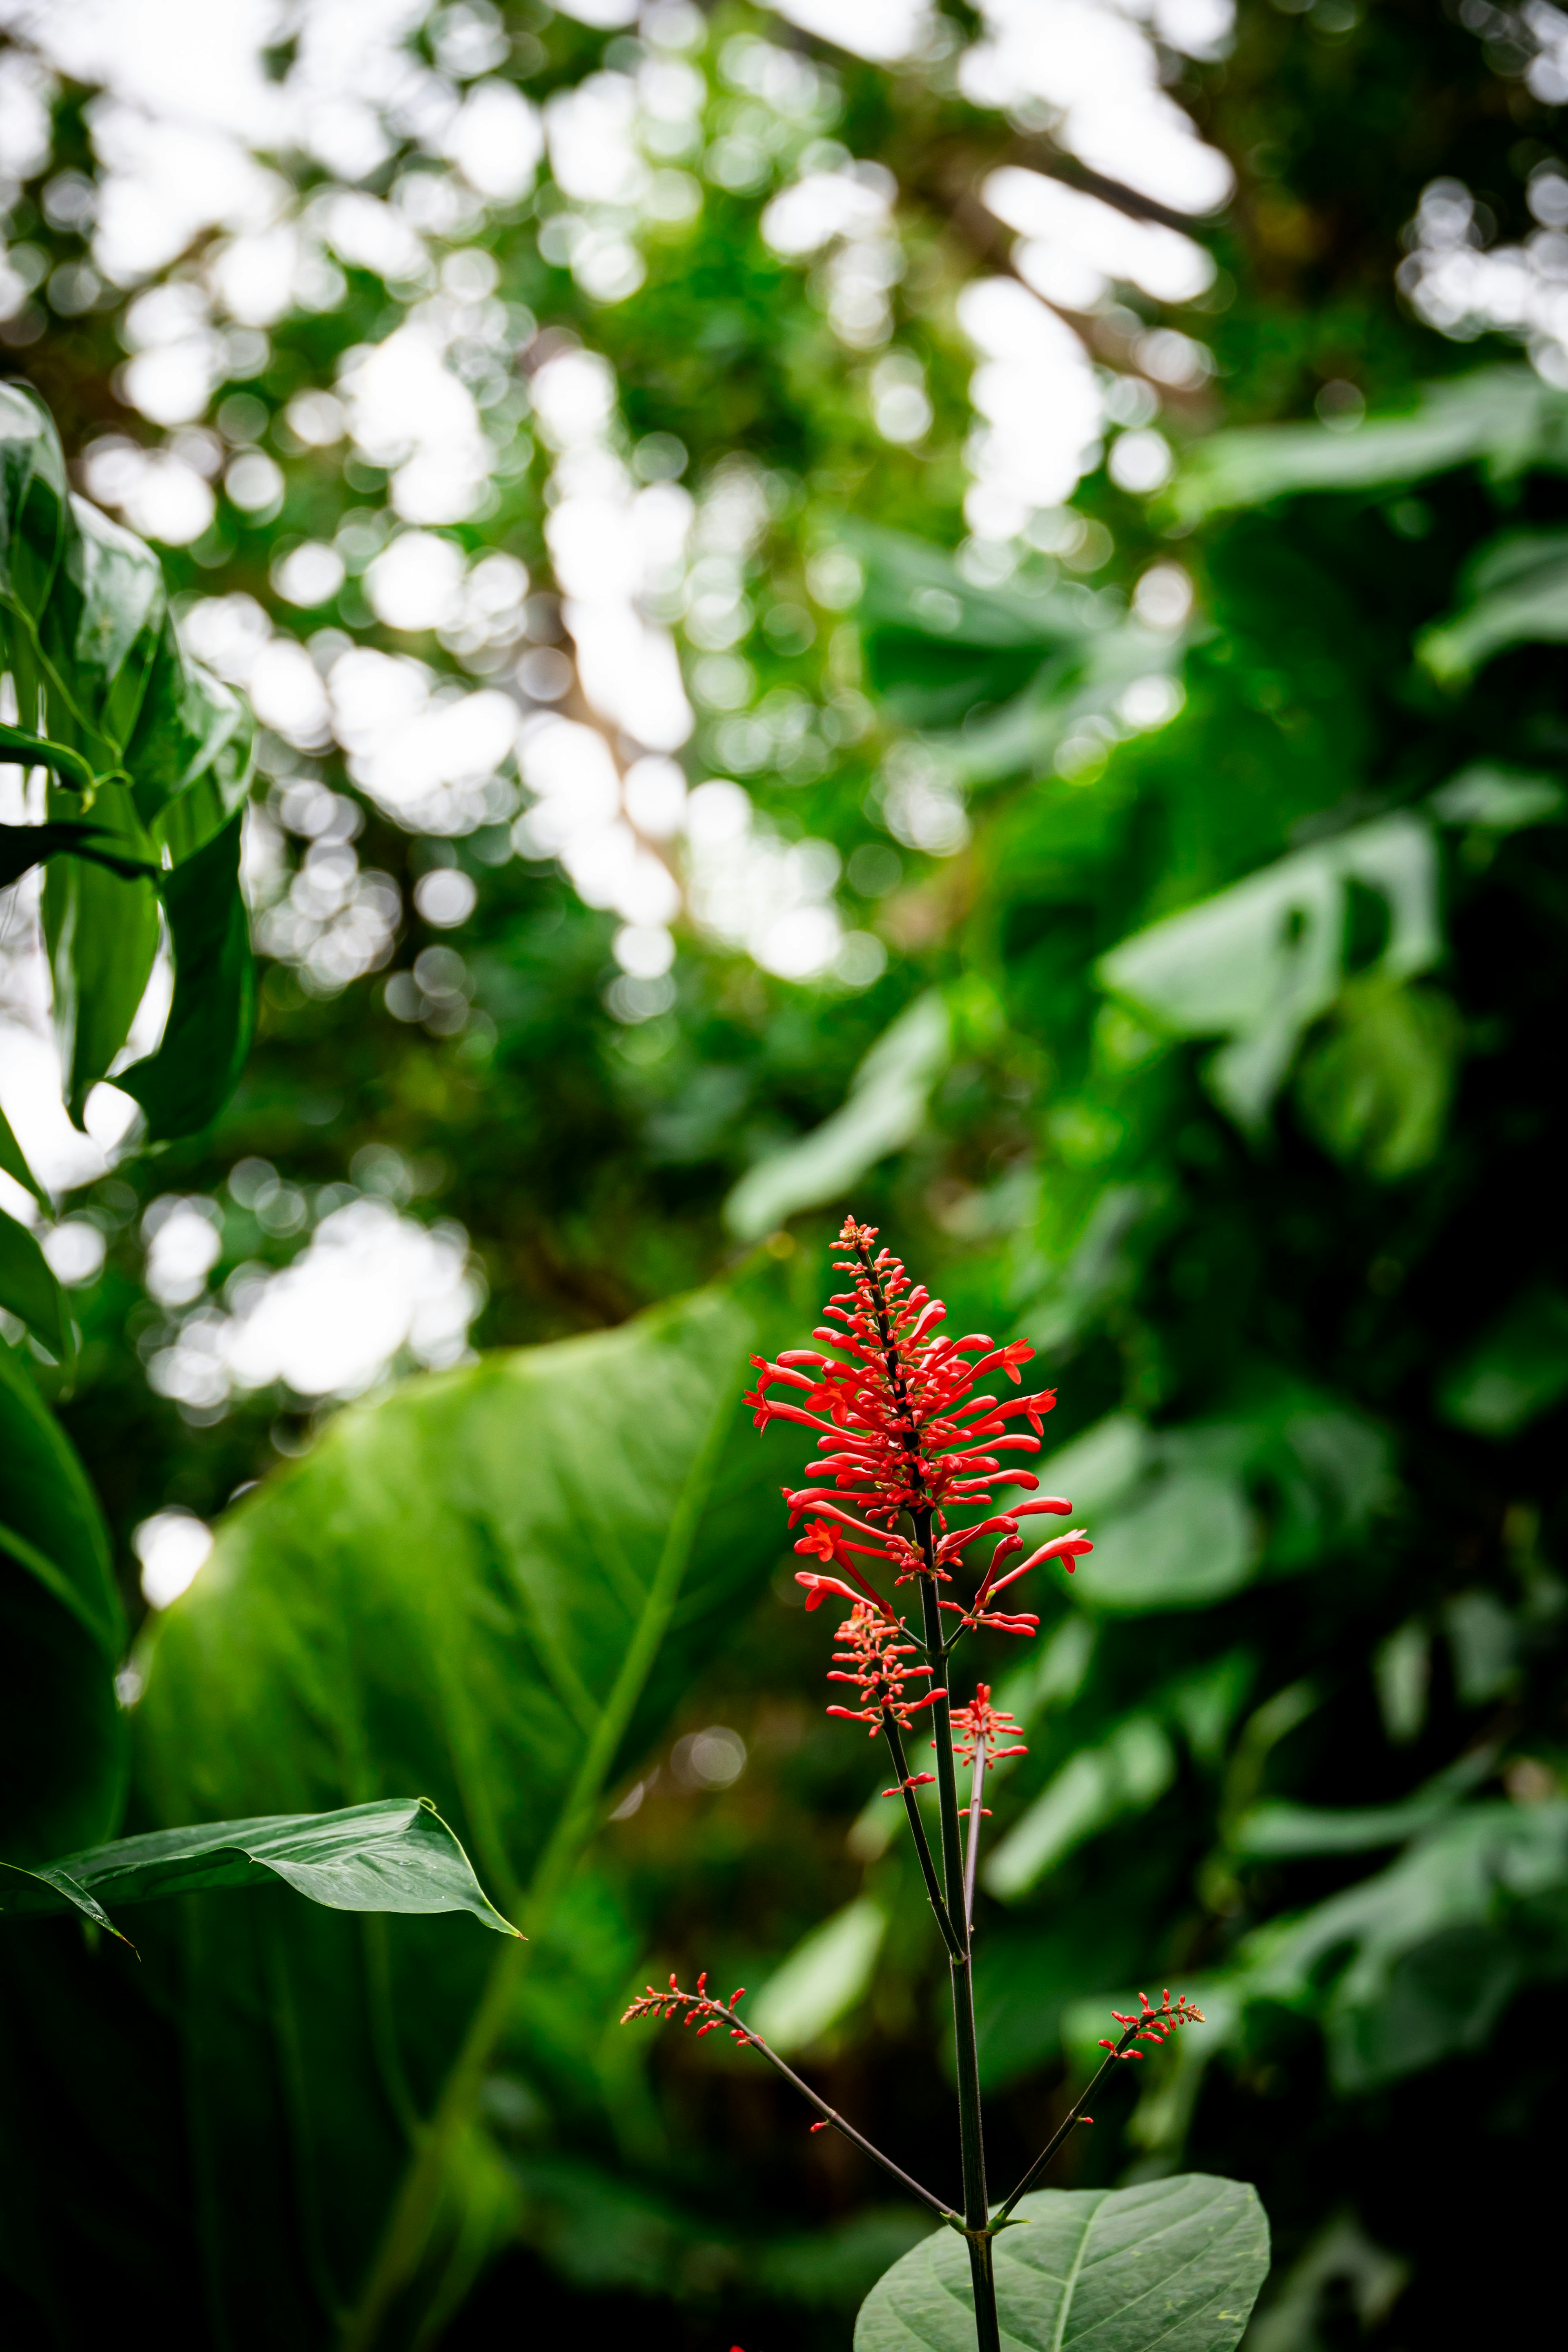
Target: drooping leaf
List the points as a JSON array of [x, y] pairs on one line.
[[183, 1085], [62, 1735], [494, 1585], [1503, 417], [104, 692], [1175, 2263], [1515, 593], [1261, 962], [28, 1288], [14, 1163], [396, 1855], [101, 929], [1419, 1963], [886, 1109]]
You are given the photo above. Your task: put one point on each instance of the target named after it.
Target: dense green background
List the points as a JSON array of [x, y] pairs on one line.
[[1297, 1728]]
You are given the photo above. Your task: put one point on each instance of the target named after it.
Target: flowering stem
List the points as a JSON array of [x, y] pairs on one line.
[[1059, 2134], [972, 2149], [831, 2116], [950, 1935], [972, 1849]]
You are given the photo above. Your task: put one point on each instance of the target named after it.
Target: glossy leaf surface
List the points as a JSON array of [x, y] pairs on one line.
[[493, 1586], [1175, 2262], [392, 1856]]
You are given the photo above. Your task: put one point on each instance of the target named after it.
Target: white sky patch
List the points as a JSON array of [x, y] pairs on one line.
[[882, 30], [407, 410], [1040, 402], [1093, 68], [1076, 246], [1456, 285], [173, 1547], [370, 1289]]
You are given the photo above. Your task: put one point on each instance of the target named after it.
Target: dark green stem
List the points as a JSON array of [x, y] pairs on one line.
[[972, 2147], [950, 1935]]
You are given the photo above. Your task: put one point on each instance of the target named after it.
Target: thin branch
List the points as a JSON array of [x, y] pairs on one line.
[[917, 1830], [972, 1850], [840, 2124], [1059, 2136]]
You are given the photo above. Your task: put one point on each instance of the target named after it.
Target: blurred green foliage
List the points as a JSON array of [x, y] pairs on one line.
[[1222, 1057]]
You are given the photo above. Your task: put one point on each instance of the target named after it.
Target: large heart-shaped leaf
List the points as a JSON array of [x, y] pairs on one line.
[[395, 1856], [62, 1735], [494, 1587], [1174, 2263]]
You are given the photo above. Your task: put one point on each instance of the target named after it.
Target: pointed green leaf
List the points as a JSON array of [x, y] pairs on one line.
[[185, 1084], [62, 1735], [102, 935], [28, 1288], [1175, 2263], [14, 1161], [397, 1855]]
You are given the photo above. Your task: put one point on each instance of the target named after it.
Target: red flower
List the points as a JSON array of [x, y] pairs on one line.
[[874, 1657], [1152, 2024], [904, 1434], [982, 1721], [699, 2008]]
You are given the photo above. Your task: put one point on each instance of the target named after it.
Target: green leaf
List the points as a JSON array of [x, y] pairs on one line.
[[1419, 1963], [1516, 1373], [1498, 800], [1503, 417], [23, 846], [37, 752], [1175, 2263], [102, 935], [1516, 593], [823, 1978], [1189, 1541], [1375, 1091], [62, 1735], [185, 1084], [496, 1585], [14, 1163], [1094, 1788], [1261, 962], [397, 1855], [889, 1096], [28, 1288]]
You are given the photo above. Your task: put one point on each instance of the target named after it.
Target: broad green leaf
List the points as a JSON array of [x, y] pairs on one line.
[[1429, 1952], [29, 1289], [1094, 1788], [1175, 2263], [183, 1085], [1516, 593], [1261, 962], [62, 1735], [494, 1585], [1503, 417], [888, 1097], [1190, 1539], [397, 1855], [1375, 1090], [823, 1978], [1516, 1373], [33, 750]]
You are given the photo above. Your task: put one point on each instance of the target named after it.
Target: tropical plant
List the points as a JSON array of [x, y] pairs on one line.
[[905, 1444]]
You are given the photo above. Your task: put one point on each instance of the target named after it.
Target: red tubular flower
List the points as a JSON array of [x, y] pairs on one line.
[[982, 1721], [874, 1658], [892, 1401], [699, 2008], [1150, 2024]]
